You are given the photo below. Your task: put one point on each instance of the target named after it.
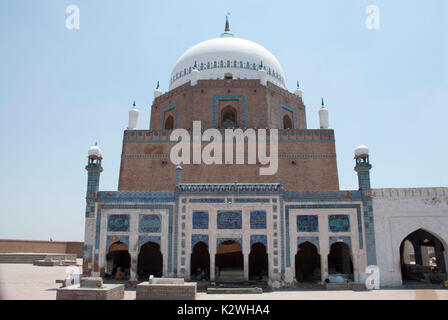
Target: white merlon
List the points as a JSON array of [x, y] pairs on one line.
[[262, 75], [194, 77], [323, 116], [133, 118]]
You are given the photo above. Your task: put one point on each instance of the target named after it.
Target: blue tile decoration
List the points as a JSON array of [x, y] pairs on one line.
[[345, 239], [251, 200], [275, 243], [87, 252], [339, 223], [172, 222], [195, 238], [200, 220], [231, 219], [114, 238], [313, 240], [305, 196], [275, 261], [259, 238], [258, 219], [118, 222], [144, 239], [149, 223], [236, 239], [206, 200], [307, 223], [239, 97]]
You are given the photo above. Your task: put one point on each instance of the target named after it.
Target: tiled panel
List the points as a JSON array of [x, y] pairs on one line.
[[313, 240], [118, 222], [149, 223], [114, 238], [143, 239], [339, 223], [345, 239], [307, 223], [195, 238], [87, 255], [229, 219], [200, 220], [261, 238], [258, 219]]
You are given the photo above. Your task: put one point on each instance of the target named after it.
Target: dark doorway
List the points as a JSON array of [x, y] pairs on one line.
[[228, 118], [307, 263], [258, 263], [229, 262], [287, 123], [340, 261], [150, 261], [169, 123], [118, 262], [200, 262], [422, 258]]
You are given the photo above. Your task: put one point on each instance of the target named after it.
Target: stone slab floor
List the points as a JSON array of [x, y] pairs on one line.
[[25, 281]]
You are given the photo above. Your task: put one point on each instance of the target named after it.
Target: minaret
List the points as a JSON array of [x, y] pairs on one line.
[[94, 170], [157, 91], [363, 167], [133, 118], [178, 174], [195, 74], [323, 116], [262, 74], [298, 91]]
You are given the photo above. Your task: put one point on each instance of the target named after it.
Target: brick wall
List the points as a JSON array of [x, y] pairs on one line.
[[307, 162], [39, 246]]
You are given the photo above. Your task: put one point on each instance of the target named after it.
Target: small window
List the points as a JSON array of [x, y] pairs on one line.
[[228, 76], [169, 123], [287, 123]]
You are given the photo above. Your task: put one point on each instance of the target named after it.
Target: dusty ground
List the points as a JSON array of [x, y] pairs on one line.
[[25, 281]]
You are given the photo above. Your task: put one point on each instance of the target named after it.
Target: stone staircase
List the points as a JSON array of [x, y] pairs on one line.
[[231, 276], [32, 257]]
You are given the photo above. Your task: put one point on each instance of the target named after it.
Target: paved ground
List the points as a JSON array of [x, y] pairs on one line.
[[25, 281]]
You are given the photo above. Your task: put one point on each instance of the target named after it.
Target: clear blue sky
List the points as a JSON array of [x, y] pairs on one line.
[[61, 90]]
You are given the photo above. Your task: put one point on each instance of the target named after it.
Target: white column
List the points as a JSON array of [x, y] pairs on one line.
[[246, 266], [425, 256], [212, 266], [324, 266]]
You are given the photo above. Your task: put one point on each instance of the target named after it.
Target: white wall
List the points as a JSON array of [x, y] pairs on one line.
[[399, 212]]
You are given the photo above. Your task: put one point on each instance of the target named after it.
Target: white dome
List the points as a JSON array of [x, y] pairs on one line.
[[95, 151], [217, 57], [361, 150]]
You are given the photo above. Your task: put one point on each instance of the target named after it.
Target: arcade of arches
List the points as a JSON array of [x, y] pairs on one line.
[[307, 263]]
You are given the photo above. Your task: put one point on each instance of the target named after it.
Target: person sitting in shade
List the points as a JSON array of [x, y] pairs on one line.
[[119, 275], [200, 275], [436, 277]]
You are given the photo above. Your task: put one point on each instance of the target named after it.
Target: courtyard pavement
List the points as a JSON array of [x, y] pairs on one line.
[[28, 282]]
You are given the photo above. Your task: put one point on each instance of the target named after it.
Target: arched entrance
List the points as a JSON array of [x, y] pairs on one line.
[[340, 260], [169, 123], [150, 261], [258, 263], [228, 118], [229, 262], [307, 263], [200, 262], [287, 123], [422, 257], [118, 261]]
